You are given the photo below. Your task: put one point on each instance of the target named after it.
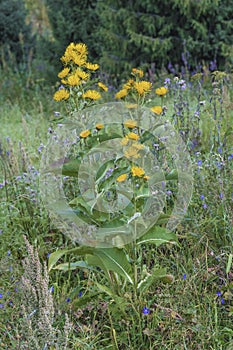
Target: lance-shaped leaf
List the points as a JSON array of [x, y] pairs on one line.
[[55, 256], [115, 260]]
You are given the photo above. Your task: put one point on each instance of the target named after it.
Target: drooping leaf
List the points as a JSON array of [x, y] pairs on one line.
[[55, 256]]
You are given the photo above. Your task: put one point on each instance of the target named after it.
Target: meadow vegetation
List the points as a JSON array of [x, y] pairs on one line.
[[165, 289]]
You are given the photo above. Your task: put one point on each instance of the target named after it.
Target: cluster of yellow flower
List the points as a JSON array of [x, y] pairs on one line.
[[76, 74], [132, 152], [136, 171], [141, 88]]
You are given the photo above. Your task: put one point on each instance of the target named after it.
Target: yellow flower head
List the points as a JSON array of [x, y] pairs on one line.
[[130, 124], [137, 171], [91, 94], [81, 74], [124, 141], [103, 86], [85, 134], [137, 145], [146, 177], [61, 94], [73, 80], [80, 61], [157, 109], [64, 73], [133, 136], [81, 49], [121, 94], [92, 66], [161, 91], [138, 72], [76, 53], [142, 87], [129, 84], [99, 126], [132, 153], [122, 178]]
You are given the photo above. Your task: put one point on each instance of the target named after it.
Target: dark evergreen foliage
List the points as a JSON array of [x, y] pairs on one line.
[[165, 33], [15, 36]]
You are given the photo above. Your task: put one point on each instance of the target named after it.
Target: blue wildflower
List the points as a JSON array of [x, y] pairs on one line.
[[145, 310], [202, 197], [184, 276], [80, 294], [199, 162], [68, 300], [218, 293]]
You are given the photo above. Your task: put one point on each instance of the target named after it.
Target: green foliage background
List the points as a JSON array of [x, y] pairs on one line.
[[15, 35], [121, 35]]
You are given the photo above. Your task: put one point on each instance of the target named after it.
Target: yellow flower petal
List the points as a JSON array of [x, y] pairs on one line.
[[64, 73], [103, 86], [122, 178], [124, 141], [99, 126], [137, 171], [142, 87], [130, 124], [61, 94], [132, 153], [157, 109], [133, 136], [161, 91], [138, 72], [121, 94], [92, 66], [85, 134], [91, 94]]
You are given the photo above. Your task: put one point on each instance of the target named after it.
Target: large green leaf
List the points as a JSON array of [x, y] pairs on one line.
[[55, 256], [158, 235], [115, 259]]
